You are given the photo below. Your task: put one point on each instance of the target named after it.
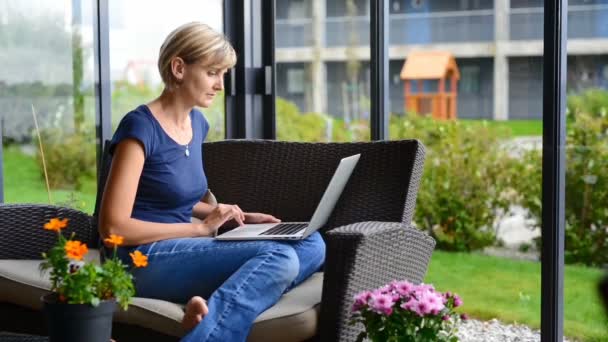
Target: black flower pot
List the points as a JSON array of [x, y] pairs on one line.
[[78, 322]]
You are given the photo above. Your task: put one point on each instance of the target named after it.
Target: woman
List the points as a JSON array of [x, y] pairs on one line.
[[156, 184]]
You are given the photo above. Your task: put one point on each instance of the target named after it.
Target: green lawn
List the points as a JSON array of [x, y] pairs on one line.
[[23, 183], [517, 128], [510, 291]]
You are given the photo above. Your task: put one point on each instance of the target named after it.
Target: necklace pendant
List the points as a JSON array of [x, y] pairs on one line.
[[187, 152]]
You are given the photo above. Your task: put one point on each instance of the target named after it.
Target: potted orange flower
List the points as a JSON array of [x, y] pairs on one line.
[[84, 294]]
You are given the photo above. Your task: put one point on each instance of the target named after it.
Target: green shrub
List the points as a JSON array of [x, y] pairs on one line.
[[466, 182], [586, 231], [294, 126], [70, 158], [594, 102], [316, 127]]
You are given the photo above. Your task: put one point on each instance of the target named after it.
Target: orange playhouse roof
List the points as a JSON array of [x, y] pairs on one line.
[[429, 65]]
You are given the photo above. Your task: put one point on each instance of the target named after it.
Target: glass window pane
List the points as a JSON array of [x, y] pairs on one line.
[[323, 82], [48, 69], [468, 88], [135, 40], [587, 162]]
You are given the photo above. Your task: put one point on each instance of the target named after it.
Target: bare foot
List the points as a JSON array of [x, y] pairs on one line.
[[196, 310]]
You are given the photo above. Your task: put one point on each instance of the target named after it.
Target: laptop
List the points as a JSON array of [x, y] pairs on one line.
[[299, 230]]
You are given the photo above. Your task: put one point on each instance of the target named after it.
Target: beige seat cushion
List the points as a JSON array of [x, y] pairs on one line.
[[21, 283]]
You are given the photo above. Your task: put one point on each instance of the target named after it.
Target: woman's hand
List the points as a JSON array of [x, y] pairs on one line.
[[260, 218], [222, 214]]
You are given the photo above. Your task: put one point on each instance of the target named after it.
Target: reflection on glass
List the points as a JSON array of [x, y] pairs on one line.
[[47, 63], [135, 40], [323, 83]]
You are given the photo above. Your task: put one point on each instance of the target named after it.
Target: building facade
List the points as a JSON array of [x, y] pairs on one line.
[[323, 52]]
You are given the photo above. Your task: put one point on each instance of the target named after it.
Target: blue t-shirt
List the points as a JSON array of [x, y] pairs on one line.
[[171, 183]]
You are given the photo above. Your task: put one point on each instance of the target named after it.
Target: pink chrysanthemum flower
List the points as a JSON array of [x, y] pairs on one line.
[[434, 300], [410, 305], [457, 301], [361, 300], [382, 303], [404, 288]]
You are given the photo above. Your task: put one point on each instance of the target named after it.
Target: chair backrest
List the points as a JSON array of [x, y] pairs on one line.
[[287, 179], [22, 235]]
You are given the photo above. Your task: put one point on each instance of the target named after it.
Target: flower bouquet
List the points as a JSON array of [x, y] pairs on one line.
[[404, 312], [84, 294]]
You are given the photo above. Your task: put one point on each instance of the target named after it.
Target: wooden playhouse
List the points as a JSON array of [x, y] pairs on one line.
[[431, 84]]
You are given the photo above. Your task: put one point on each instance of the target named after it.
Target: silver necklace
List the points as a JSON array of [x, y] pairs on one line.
[[187, 146]]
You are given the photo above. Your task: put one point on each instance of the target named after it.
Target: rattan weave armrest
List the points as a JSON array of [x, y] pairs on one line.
[[21, 229], [363, 256]]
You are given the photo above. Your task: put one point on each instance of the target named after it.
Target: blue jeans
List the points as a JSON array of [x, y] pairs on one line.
[[241, 279]]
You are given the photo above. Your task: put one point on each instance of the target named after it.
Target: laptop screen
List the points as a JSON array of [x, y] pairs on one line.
[[332, 193]]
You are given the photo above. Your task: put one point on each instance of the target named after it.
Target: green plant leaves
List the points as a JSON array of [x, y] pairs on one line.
[[586, 238], [90, 283], [465, 178]]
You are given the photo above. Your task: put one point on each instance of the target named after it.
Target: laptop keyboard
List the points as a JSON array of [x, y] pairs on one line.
[[285, 229]]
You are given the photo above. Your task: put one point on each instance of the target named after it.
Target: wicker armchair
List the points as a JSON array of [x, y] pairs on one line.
[[369, 241]]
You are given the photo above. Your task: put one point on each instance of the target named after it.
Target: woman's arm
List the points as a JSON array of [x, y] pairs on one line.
[[119, 196], [202, 210]]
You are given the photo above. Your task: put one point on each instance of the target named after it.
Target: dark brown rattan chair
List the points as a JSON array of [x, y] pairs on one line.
[[368, 236]]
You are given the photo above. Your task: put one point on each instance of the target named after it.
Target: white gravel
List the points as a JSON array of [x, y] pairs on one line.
[[495, 331]]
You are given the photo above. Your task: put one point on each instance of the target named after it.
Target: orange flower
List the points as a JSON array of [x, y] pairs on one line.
[[75, 250], [56, 224], [114, 240], [139, 259]]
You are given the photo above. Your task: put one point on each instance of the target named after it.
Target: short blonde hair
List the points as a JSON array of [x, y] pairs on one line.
[[195, 42]]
